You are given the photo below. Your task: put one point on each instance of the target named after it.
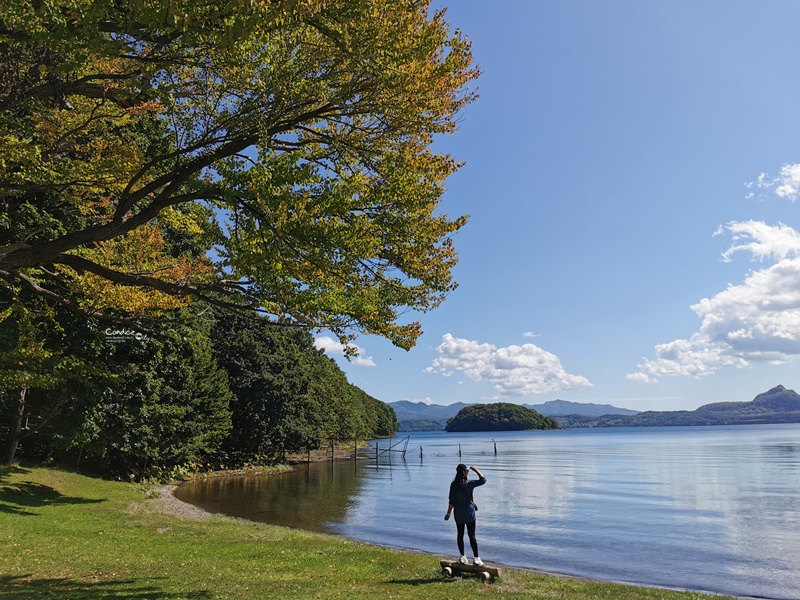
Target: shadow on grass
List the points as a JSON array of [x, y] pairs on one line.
[[19, 498], [420, 581], [6, 470], [24, 588]]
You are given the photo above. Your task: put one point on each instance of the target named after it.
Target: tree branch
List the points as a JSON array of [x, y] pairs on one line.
[[19, 255], [173, 289]]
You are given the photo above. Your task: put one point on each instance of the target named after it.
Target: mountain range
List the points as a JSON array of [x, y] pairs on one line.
[[418, 416], [777, 405]]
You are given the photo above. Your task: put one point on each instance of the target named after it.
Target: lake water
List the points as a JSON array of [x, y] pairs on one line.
[[702, 508]]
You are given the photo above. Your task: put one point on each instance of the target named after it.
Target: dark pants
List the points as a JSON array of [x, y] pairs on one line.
[[472, 540]]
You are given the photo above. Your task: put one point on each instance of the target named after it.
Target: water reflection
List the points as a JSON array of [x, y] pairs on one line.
[[714, 509], [312, 497]]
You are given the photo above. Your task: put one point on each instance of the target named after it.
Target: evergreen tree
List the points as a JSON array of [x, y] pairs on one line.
[[268, 367], [48, 357], [168, 407]]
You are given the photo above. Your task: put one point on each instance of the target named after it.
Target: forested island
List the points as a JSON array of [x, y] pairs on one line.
[[499, 416]]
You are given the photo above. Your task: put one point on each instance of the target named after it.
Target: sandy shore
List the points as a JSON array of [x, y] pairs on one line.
[[163, 500]]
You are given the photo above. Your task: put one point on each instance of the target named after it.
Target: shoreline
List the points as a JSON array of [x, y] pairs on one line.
[[170, 504]]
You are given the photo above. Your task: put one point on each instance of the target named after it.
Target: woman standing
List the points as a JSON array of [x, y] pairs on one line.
[[461, 500]]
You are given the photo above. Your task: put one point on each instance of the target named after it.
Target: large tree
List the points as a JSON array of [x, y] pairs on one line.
[[305, 126]]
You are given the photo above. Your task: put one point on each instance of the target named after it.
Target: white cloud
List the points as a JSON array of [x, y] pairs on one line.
[[363, 361], [757, 321], [695, 357], [641, 377], [786, 183], [530, 334], [789, 182], [514, 370], [768, 241], [333, 347]]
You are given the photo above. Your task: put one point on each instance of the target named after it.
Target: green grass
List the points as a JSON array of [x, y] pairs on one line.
[[66, 536]]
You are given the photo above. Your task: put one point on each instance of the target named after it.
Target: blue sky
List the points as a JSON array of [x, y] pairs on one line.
[[632, 178]]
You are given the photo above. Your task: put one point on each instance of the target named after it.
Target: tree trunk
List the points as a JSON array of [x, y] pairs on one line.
[[14, 430]]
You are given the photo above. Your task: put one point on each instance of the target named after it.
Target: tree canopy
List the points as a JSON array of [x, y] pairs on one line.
[[226, 389], [292, 138], [499, 416], [287, 395], [167, 407]]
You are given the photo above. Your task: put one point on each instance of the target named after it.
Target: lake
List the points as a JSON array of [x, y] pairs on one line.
[[702, 508]]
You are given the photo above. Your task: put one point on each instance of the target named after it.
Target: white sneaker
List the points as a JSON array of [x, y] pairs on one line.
[[463, 560], [478, 562]]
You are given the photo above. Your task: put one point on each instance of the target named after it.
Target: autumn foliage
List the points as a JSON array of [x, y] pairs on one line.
[[302, 128]]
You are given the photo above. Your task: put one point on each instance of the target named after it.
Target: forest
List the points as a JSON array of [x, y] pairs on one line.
[[188, 192], [499, 416], [231, 389]]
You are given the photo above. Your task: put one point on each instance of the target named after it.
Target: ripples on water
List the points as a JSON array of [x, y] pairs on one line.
[[704, 508]]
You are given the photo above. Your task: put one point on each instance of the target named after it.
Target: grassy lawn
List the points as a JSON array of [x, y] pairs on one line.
[[63, 536]]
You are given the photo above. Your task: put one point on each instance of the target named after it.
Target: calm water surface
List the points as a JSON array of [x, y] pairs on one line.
[[702, 508]]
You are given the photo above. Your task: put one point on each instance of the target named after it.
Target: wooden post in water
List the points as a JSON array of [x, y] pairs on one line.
[[459, 450], [495, 447], [333, 450]]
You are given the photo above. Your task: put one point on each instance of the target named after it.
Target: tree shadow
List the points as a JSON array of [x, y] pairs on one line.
[[19, 498], [23, 587], [6, 470]]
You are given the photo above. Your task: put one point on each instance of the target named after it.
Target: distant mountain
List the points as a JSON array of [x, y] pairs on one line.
[[418, 416], [555, 408], [776, 400], [406, 410], [777, 405]]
